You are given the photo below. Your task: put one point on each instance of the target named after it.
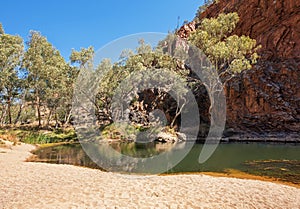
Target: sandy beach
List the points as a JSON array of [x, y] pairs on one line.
[[40, 185]]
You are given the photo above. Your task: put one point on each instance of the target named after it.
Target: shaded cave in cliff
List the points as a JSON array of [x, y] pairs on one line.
[[154, 107]]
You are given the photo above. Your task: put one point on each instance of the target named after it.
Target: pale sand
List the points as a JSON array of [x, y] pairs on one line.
[[40, 185]]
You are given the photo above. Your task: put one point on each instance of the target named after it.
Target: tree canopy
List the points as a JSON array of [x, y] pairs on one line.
[[11, 53], [40, 77], [230, 54]]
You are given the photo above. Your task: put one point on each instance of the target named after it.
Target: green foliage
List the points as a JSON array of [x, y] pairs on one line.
[[49, 76], [36, 82], [119, 131], [48, 80], [83, 56], [11, 53], [144, 59], [229, 54], [33, 136]]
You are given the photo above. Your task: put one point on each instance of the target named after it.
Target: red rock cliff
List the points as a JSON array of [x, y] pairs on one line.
[[266, 99]]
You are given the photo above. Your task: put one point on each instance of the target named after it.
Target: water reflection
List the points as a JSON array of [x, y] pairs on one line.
[[136, 157], [227, 156], [71, 154], [103, 158]]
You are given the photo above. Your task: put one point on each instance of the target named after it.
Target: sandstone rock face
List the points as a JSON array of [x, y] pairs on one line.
[[265, 99]]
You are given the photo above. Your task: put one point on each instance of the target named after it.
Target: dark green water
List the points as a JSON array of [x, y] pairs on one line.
[[277, 160]]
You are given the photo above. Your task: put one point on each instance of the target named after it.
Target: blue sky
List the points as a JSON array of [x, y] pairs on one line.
[[74, 24]]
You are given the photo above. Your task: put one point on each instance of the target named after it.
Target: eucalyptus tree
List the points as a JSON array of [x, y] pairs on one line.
[[229, 54], [82, 62], [11, 53], [46, 69], [59, 91], [66, 94]]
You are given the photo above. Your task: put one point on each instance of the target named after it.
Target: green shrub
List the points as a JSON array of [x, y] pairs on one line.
[[38, 138], [120, 132]]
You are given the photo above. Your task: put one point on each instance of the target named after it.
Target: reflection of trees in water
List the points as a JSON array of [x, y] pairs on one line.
[[132, 157], [72, 154], [124, 157], [251, 158]]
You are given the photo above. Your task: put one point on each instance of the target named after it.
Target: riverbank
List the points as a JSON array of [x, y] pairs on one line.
[[40, 185], [248, 137]]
